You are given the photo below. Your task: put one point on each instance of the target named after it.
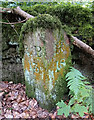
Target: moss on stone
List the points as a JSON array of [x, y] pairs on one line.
[[41, 21], [30, 90], [10, 34], [73, 17]]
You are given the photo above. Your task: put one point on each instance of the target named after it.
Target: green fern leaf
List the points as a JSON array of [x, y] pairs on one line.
[[64, 109], [80, 109], [72, 101], [91, 109], [74, 73], [61, 104], [80, 93], [74, 78], [84, 92], [88, 101], [60, 111]]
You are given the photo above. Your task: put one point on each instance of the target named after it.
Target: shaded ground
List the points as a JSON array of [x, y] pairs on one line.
[[15, 104]]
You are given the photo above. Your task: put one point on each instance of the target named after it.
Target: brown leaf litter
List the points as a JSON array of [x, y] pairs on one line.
[[15, 104]]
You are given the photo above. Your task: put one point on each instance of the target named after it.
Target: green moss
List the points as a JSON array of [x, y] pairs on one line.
[[71, 14], [61, 84], [10, 34], [29, 10], [30, 90], [73, 18], [87, 33], [40, 8], [45, 21]]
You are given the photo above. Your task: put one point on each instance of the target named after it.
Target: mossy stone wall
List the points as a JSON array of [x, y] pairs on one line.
[[12, 69]]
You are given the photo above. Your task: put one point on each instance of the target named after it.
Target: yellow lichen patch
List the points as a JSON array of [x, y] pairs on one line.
[[37, 76], [30, 52], [44, 77], [68, 51], [45, 70], [54, 65], [26, 63]]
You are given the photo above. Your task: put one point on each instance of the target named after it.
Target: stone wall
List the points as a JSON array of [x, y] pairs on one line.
[[12, 69], [84, 63]]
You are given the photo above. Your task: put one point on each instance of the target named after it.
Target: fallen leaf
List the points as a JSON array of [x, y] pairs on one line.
[[1, 117], [42, 114], [16, 114], [15, 106], [25, 102], [85, 116], [1, 94], [19, 98], [0, 105], [74, 116], [33, 113], [34, 116], [8, 116], [11, 82], [86, 113], [23, 108], [23, 98], [13, 95], [33, 103], [25, 115], [17, 86]]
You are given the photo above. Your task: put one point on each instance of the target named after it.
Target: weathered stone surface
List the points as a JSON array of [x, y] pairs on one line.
[[0, 52], [0, 70], [3, 86], [45, 59], [12, 69], [1, 96], [84, 63]]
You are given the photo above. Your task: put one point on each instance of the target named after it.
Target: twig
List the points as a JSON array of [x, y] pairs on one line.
[[14, 22], [13, 27]]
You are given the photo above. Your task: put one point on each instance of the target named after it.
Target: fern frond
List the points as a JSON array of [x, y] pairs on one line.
[[63, 108], [74, 78], [80, 109], [81, 95]]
